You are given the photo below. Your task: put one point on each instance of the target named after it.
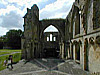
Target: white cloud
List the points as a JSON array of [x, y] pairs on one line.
[[58, 9], [9, 9], [3, 2], [12, 20], [3, 31], [12, 11]]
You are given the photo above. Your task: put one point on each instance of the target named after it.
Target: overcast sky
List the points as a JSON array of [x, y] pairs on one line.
[[12, 11]]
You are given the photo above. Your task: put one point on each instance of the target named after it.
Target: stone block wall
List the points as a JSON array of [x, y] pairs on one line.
[[89, 32]]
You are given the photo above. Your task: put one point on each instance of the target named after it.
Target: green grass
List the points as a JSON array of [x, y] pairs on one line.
[[16, 58], [8, 51], [2, 61], [11, 50], [1, 53]]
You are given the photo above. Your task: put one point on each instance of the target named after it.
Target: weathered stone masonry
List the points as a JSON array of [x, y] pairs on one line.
[[33, 44], [79, 34], [84, 30]]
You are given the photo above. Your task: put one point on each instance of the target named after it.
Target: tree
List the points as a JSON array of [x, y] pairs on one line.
[[13, 39], [1, 42]]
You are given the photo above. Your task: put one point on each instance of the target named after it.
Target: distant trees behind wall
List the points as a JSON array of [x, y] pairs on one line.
[[11, 40], [1, 43]]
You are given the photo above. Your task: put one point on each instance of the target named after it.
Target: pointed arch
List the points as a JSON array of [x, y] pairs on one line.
[[57, 27], [57, 23], [51, 28]]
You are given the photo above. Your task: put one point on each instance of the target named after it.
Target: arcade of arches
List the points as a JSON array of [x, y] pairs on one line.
[[78, 36]]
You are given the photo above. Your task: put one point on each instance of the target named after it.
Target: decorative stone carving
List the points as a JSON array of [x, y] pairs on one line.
[[75, 42], [91, 40]]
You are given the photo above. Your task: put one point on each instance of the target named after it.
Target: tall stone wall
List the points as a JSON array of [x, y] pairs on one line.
[[89, 34]]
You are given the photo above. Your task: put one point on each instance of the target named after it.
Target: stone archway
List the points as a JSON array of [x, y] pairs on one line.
[[59, 24], [76, 51]]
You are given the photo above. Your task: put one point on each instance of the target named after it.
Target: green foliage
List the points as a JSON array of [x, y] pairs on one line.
[[12, 39], [2, 62], [1, 42]]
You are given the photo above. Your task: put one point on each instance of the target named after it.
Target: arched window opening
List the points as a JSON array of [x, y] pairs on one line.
[[50, 37], [54, 38], [77, 22], [47, 38], [50, 33], [51, 28]]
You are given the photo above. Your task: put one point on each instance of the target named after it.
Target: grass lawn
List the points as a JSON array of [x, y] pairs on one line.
[[16, 56], [1, 53], [8, 51], [11, 50]]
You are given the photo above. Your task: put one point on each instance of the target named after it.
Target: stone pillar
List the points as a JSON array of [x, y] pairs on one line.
[[73, 29], [80, 20], [28, 51], [85, 56], [68, 52], [82, 57], [62, 50], [81, 54], [74, 52], [49, 38], [71, 50], [22, 47], [52, 38]]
